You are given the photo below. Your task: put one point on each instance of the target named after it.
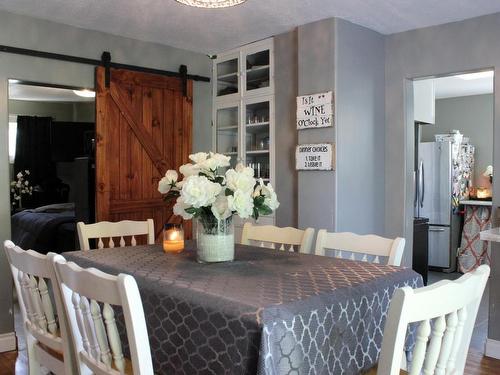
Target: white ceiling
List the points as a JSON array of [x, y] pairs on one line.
[[43, 94], [454, 86], [216, 30]]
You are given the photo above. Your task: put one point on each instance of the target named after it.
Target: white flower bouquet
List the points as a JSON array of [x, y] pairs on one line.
[[212, 197], [19, 187]]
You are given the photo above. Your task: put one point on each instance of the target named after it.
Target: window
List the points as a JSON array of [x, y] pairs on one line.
[[12, 140]]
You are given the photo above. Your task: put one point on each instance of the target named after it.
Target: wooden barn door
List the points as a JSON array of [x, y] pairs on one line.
[[144, 128]]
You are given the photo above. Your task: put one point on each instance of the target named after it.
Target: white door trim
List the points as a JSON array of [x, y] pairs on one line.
[[492, 348], [8, 342]]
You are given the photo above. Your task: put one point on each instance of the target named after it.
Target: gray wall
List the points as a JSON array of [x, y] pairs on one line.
[[27, 32], [59, 111], [352, 197], [285, 87], [359, 98], [473, 116], [316, 73], [456, 47]]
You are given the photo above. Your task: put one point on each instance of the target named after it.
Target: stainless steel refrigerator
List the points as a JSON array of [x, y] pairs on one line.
[[434, 200]]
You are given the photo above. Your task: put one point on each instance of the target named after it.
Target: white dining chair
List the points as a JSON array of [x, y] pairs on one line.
[[108, 230], [47, 334], [367, 248], [88, 297], [444, 329], [273, 237]]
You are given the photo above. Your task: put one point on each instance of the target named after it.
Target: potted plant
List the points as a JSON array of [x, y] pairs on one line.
[[212, 197]]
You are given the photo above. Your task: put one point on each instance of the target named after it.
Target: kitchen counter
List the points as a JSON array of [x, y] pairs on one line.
[[490, 235], [476, 203]]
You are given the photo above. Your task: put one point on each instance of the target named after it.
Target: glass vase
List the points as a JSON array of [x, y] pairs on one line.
[[214, 239]]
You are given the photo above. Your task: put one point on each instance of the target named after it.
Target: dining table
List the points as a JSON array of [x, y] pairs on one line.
[[266, 312]]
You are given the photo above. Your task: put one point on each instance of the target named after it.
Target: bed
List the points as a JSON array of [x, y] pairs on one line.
[[46, 229]]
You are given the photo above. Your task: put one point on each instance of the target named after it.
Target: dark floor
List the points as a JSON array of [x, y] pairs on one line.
[[481, 329]]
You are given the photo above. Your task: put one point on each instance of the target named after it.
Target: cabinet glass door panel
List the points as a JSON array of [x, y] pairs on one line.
[[227, 137], [228, 74], [257, 138], [258, 71]]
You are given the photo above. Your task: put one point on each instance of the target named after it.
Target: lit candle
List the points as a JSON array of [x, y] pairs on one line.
[[483, 193], [173, 238]]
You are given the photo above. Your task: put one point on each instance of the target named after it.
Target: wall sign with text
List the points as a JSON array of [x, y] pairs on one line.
[[317, 156], [315, 111]]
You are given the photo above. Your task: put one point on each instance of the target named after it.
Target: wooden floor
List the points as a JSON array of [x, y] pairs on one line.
[[477, 364]]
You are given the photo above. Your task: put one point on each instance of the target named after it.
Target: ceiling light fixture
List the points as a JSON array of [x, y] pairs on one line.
[[211, 3], [85, 93], [478, 75]]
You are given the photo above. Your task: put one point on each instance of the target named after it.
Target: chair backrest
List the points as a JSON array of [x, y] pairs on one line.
[[371, 247], [108, 230], [446, 313], [88, 296], [35, 281], [288, 238]]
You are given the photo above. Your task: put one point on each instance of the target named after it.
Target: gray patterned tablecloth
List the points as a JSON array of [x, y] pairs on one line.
[[268, 312]]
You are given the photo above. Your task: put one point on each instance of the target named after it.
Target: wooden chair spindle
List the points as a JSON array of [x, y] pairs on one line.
[[75, 300], [423, 332], [446, 346], [434, 348], [89, 328], [114, 337], [47, 306], [37, 304], [102, 338]]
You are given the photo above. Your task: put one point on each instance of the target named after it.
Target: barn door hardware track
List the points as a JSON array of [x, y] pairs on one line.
[[107, 63]]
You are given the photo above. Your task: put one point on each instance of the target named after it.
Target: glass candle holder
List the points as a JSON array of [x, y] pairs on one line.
[[173, 238]]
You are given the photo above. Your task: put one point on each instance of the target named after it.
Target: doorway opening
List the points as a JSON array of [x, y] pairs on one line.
[[52, 163], [453, 175]]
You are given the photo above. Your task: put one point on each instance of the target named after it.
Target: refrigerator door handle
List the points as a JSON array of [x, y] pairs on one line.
[[421, 183], [416, 178], [436, 229]]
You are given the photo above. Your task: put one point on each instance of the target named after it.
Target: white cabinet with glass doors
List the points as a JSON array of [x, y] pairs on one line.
[[243, 110]]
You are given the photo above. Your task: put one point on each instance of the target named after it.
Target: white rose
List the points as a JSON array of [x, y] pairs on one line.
[[209, 164], [198, 191], [180, 209], [198, 158], [172, 176], [241, 202], [270, 197], [240, 168], [240, 180], [19, 175], [220, 208], [164, 186], [189, 169], [222, 160]]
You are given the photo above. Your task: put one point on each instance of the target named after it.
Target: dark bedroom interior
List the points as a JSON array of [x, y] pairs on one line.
[[52, 166]]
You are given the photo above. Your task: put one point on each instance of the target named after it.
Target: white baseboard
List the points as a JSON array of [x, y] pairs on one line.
[[7, 342], [492, 348]]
